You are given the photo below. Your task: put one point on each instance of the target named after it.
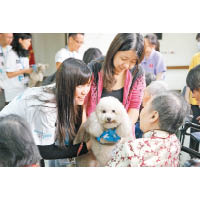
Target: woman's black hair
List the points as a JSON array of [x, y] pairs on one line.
[[17, 47], [91, 54], [73, 72], [122, 42]]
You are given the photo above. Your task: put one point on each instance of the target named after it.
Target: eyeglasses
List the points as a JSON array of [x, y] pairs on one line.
[[77, 41]]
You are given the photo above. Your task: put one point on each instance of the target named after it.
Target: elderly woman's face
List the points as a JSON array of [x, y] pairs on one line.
[[148, 118], [124, 60]]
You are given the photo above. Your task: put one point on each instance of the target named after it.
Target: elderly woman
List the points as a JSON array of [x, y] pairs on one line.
[[159, 147], [17, 146], [155, 88]]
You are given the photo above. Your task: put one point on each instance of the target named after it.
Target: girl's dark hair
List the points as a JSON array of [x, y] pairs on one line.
[[17, 146], [16, 46], [73, 72], [122, 42], [91, 54]]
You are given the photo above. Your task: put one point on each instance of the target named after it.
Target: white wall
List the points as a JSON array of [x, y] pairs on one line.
[[45, 46], [176, 78], [98, 40], [177, 49]]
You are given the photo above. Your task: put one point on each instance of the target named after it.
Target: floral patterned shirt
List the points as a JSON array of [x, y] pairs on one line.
[[156, 149]]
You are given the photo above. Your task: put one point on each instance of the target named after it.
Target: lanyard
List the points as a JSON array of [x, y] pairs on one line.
[[4, 55], [21, 76], [22, 63]]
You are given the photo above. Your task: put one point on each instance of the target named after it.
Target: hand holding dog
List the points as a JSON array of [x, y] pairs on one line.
[[28, 71]]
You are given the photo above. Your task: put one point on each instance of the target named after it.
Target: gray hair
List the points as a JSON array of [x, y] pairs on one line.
[[149, 77], [172, 110], [157, 87], [17, 146]]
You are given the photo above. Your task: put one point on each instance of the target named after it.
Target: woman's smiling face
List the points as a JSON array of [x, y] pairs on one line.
[[80, 93], [124, 60]]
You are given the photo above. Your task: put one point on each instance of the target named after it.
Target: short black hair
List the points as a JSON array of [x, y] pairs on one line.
[[193, 78], [17, 146], [149, 77], [197, 36], [74, 34], [152, 38], [91, 54]]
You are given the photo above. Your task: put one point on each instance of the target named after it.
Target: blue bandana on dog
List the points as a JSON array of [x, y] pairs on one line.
[[109, 135]]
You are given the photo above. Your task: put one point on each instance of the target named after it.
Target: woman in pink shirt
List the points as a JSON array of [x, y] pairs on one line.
[[119, 74]]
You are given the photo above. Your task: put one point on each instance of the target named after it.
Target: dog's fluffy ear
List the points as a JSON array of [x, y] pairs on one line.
[[125, 128], [93, 127]]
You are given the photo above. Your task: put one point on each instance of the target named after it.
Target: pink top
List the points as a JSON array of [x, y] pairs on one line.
[[158, 149], [134, 100]]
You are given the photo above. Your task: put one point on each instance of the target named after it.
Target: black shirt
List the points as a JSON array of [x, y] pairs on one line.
[[114, 93]]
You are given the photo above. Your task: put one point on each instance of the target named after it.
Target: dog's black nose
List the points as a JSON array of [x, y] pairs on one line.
[[108, 119]]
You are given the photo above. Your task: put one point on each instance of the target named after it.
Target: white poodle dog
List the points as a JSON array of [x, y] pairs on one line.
[[37, 75], [106, 126]]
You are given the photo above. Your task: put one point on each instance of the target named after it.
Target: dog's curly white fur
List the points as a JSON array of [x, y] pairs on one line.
[[109, 113], [38, 75]]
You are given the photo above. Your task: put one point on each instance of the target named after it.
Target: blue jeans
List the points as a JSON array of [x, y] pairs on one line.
[[62, 163]]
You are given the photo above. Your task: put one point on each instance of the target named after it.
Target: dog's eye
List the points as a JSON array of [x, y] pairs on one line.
[[103, 111], [113, 111]]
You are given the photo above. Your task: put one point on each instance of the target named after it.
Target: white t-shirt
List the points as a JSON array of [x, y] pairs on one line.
[[40, 116], [3, 59], [16, 85], [64, 53]]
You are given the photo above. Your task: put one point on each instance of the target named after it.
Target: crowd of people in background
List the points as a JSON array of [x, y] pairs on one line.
[[40, 123]]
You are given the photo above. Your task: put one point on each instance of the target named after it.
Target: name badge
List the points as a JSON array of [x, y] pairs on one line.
[[17, 61], [151, 65], [21, 77]]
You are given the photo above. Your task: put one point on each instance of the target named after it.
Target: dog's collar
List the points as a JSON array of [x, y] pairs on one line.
[[109, 136]]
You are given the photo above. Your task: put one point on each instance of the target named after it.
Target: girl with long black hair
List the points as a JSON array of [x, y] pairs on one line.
[[55, 112]]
